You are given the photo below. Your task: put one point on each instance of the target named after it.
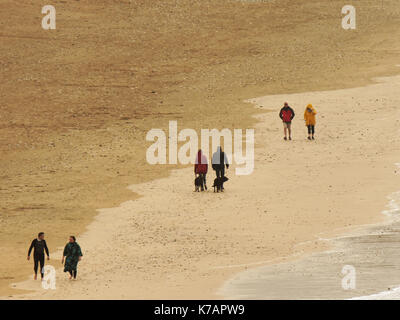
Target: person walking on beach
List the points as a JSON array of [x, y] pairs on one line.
[[72, 255], [287, 115], [39, 247], [309, 118], [201, 168], [219, 161]]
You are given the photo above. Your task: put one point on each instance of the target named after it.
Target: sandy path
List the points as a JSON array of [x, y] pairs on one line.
[[173, 243]]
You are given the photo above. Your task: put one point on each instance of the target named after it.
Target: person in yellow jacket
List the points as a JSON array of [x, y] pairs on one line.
[[309, 117]]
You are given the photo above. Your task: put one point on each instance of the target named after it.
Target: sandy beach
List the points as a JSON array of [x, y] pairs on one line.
[[172, 243], [78, 101]]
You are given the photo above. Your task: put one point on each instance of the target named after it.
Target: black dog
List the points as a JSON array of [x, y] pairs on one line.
[[198, 183], [218, 183]]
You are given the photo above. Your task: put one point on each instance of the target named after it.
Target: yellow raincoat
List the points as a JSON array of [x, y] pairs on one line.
[[309, 115]]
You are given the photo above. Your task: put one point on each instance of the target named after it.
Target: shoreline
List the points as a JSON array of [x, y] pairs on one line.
[[72, 139], [300, 279], [191, 252], [319, 275]]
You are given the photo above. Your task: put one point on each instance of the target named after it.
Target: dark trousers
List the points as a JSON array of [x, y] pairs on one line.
[[311, 129], [220, 172], [73, 273], [38, 259], [203, 176]]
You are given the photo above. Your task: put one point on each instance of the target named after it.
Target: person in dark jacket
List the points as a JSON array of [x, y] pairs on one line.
[[39, 247], [72, 255], [219, 161], [201, 167], [287, 115]]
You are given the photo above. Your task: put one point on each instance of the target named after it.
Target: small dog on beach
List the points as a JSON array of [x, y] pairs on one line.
[[198, 183], [218, 182]]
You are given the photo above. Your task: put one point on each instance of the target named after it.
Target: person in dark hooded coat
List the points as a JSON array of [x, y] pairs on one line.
[[219, 162]]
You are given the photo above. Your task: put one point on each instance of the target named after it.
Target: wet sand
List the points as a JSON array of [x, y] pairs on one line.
[[77, 102], [174, 243], [373, 252]]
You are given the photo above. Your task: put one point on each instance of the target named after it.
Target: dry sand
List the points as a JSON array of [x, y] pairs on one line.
[[174, 243], [371, 249], [77, 102]]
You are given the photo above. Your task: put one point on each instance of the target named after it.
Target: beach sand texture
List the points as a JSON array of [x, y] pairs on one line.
[[77, 102], [174, 243]]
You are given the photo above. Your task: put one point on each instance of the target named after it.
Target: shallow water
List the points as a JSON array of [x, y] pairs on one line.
[[374, 252]]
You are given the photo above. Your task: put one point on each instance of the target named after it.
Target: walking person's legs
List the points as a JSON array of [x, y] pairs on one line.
[[285, 130], [289, 126], [222, 175], [313, 131], [309, 131], [203, 176], [41, 263], [35, 265]]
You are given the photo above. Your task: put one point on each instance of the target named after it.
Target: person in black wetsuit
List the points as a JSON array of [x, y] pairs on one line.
[[39, 246]]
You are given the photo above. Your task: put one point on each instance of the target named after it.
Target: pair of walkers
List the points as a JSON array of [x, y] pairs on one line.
[[72, 254], [287, 114], [219, 162]]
